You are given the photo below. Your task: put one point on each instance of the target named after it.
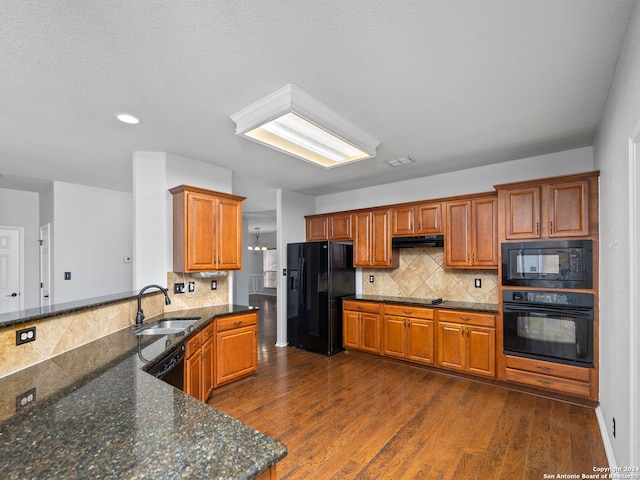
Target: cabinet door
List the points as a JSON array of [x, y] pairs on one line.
[[523, 213], [569, 209], [403, 220], [429, 217], [236, 354], [351, 329], [201, 232], [362, 240], [451, 346], [381, 238], [340, 226], [395, 337], [481, 351], [370, 332], [485, 232], [420, 348], [229, 239], [457, 248], [208, 372], [192, 384], [317, 229]]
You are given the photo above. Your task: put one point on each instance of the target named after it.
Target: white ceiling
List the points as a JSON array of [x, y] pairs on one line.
[[451, 84]]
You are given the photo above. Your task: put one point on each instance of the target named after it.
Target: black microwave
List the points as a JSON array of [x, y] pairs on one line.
[[550, 264]]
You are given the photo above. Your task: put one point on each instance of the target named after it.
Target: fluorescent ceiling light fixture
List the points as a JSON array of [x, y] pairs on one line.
[[399, 162], [293, 122], [127, 118]]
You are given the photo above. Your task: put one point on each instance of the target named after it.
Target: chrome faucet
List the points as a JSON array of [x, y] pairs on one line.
[[140, 314]]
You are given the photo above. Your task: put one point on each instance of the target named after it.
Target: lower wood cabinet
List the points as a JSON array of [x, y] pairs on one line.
[[408, 333], [567, 379], [467, 342], [361, 326], [199, 364], [236, 347]]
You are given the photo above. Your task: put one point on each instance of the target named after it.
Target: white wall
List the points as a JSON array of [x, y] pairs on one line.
[[21, 209], [291, 208], [154, 173], [620, 121], [92, 234], [463, 182]]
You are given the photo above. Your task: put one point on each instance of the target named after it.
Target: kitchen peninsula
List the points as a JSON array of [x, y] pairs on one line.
[[112, 419]]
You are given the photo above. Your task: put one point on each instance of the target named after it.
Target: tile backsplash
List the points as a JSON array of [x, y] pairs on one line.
[[421, 274], [203, 296]]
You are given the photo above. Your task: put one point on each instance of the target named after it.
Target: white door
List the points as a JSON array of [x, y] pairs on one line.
[[11, 269], [45, 266]]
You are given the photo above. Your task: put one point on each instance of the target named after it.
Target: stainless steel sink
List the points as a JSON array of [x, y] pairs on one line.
[[166, 326]]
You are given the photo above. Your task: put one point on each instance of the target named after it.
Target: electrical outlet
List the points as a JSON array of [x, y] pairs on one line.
[[478, 283], [178, 288], [214, 284], [371, 278], [25, 335], [192, 286], [25, 399]]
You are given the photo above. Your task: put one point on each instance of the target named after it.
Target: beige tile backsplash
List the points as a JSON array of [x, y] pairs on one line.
[[421, 274], [59, 334]]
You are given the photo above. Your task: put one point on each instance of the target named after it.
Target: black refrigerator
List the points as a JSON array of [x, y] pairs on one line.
[[319, 274]]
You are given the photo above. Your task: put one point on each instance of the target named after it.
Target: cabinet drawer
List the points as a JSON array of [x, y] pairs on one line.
[[467, 318], [207, 332], [548, 368], [193, 344], [236, 321], [409, 311], [562, 385], [368, 307]]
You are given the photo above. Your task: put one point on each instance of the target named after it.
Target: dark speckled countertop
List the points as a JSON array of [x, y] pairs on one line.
[[97, 414], [426, 302]]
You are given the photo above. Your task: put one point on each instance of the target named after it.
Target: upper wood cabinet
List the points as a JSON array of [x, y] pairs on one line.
[[372, 239], [422, 219], [334, 226], [471, 233], [207, 230], [548, 209]]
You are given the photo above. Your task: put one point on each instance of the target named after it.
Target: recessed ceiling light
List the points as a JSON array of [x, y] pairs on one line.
[[127, 118], [295, 123]]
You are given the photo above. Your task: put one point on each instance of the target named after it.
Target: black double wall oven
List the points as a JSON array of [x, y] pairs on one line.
[[552, 325]]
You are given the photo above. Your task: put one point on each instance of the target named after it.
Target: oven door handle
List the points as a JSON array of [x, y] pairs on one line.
[[585, 312]]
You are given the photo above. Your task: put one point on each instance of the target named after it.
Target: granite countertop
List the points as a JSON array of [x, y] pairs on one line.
[[426, 302], [95, 413]]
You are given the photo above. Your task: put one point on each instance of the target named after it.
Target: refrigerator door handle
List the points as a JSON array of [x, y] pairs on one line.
[[303, 283]]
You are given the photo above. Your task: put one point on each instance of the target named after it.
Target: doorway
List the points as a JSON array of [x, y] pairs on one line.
[[11, 269]]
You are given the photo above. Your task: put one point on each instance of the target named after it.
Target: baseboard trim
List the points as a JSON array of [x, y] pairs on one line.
[[608, 448]]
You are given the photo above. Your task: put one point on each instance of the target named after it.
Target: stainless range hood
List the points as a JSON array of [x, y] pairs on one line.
[[418, 241]]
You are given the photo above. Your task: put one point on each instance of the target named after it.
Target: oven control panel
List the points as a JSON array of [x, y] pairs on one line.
[[554, 298]]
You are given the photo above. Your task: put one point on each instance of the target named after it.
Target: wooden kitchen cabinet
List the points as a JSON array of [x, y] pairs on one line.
[[466, 342], [471, 233], [236, 347], [199, 365], [421, 219], [361, 325], [372, 239], [408, 333], [207, 230], [334, 226], [553, 208]]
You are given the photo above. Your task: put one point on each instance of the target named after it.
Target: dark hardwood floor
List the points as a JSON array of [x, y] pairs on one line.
[[356, 415]]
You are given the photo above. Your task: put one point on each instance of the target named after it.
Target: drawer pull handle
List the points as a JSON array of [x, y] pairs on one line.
[[195, 344], [466, 319], [239, 322], [546, 369], [544, 382]]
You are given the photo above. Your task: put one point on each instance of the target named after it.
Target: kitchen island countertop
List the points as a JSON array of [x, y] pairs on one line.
[[94, 413]]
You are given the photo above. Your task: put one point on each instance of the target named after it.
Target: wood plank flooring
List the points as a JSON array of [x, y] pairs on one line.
[[355, 415]]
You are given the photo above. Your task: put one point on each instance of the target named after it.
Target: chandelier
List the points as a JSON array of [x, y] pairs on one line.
[[257, 245]]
